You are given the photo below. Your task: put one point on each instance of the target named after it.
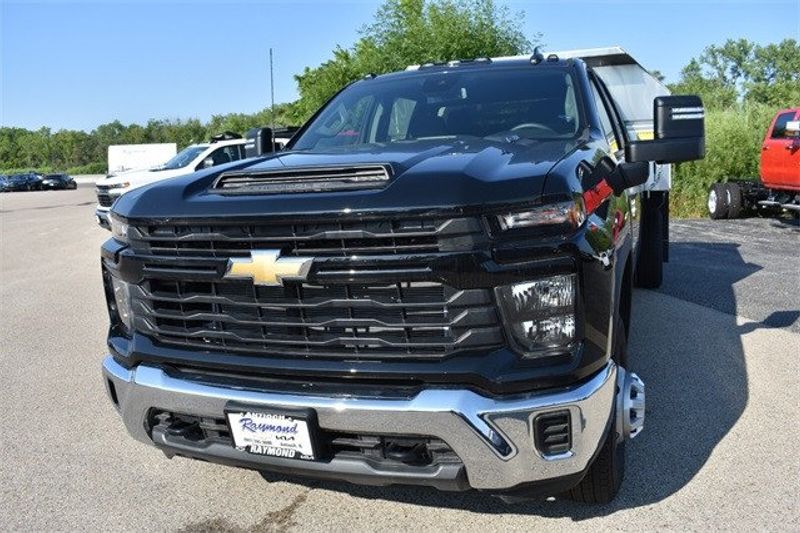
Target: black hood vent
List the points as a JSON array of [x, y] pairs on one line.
[[303, 180]]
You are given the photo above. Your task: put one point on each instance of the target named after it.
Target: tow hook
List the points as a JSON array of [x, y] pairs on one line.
[[630, 404]]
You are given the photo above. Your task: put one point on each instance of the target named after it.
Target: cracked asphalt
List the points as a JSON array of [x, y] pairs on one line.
[[718, 347]]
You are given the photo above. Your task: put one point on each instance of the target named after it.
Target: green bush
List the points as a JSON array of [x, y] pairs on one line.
[[733, 149], [91, 168]]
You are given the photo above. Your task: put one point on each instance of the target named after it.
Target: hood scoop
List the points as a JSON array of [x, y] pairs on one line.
[[303, 179]]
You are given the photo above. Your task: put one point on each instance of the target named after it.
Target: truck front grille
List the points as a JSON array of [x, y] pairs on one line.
[[348, 309], [347, 321], [103, 198], [325, 238]]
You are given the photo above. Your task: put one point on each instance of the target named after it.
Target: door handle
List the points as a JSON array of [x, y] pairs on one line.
[[764, 148]]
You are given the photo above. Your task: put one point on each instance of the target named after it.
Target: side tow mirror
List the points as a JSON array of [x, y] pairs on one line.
[[679, 131], [259, 142], [627, 175], [793, 128]]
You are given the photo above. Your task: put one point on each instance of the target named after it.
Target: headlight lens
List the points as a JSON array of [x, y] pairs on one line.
[[119, 185], [539, 314], [119, 229], [122, 299], [568, 213]]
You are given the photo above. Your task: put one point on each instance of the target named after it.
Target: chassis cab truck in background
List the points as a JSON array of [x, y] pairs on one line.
[[430, 285], [779, 186]]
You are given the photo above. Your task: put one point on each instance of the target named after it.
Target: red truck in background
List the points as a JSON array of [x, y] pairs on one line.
[[779, 189]]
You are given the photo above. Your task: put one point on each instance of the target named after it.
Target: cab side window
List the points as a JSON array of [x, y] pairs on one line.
[[779, 131], [605, 120]]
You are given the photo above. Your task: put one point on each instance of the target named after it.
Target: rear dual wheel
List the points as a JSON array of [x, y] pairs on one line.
[[735, 205], [650, 261], [718, 201], [725, 200]]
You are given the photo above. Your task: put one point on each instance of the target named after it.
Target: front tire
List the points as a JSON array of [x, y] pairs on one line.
[[604, 477]]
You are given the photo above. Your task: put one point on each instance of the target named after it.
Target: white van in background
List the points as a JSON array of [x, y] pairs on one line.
[[127, 157]]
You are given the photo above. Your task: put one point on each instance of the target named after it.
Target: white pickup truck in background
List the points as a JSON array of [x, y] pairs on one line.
[[193, 157], [223, 148]]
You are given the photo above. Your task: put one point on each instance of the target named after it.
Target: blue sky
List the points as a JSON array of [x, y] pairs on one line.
[[65, 64]]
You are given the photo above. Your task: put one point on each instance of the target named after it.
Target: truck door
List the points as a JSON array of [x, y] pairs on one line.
[[780, 154], [625, 209]]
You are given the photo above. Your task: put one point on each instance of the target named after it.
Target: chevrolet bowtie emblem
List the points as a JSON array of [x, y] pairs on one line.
[[266, 267]]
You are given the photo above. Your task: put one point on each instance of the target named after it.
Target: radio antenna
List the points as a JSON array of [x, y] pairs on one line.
[[272, 99]]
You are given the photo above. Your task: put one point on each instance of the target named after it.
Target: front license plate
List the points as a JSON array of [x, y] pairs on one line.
[[273, 434]]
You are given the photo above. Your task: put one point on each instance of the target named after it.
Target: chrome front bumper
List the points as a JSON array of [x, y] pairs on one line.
[[493, 437]]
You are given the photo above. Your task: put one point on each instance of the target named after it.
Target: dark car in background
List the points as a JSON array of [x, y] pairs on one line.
[[52, 182], [27, 181], [3, 183]]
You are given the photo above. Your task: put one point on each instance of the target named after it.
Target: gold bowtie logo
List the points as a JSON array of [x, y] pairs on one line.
[[266, 267]]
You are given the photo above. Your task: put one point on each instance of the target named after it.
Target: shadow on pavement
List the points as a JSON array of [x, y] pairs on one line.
[[692, 361]]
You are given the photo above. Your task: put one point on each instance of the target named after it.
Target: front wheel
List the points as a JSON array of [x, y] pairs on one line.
[[604, 477]]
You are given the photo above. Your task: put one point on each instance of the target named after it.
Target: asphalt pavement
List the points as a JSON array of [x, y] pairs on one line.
[[718, 347]]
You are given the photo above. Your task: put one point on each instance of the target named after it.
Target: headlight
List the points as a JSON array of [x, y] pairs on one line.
[[119, 185], [119, 229], [567, 213], [540, 314], [122, 301]]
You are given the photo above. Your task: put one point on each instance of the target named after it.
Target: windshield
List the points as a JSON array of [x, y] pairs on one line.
[[497, 103], [183, 158]]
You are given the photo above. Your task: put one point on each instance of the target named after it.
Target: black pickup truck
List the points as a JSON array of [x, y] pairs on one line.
[[430, 285]]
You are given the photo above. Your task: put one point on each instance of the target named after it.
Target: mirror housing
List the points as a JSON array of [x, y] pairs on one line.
[[793, 128], [679, 131], [207, 163], [259, 142], [627, 175]]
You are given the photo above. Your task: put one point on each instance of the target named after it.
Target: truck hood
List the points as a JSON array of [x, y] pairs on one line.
[[427, 175], [140, 177]]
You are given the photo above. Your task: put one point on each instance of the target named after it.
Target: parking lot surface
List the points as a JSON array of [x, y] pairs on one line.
[[718, 348]]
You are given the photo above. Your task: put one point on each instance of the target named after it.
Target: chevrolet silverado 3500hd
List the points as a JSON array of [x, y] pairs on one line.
[[430, 285]]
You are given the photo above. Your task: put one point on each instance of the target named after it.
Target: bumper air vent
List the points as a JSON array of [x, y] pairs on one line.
[[552, 433], [303, 180]]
